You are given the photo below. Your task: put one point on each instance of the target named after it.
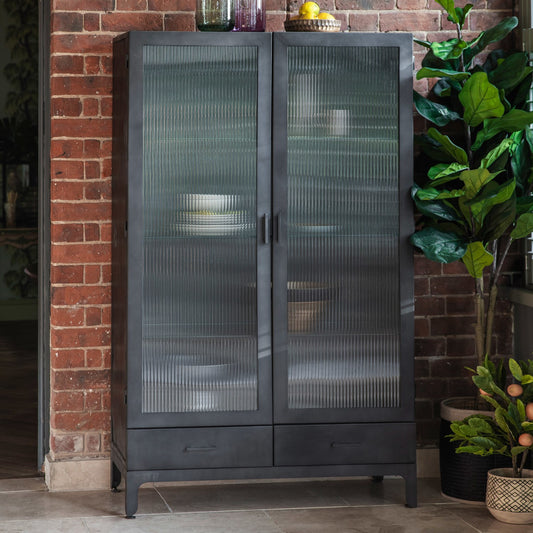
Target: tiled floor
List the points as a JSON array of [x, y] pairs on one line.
[[326, 506]]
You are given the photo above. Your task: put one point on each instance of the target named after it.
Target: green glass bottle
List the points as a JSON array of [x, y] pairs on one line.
[[215, 15]]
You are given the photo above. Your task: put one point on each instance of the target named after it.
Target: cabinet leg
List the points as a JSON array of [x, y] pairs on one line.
[[411, 488], [131, 497], [116, 478]]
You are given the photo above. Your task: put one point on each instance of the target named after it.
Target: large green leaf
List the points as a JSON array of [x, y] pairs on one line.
[[449, 7], [510, 72], [437, 210], [480, 425], [515, 369], [492, 35], [492, 195], [480, 99], [448, 147], [515, 120], [444, 170], [430, 193], [498, 220], [462, 13], [427, 72], [476, 258], [439, 246], [475, 180], [496, 153], [500, 418], [524, 226], [432, 61], [524, 204], [450, 49], [434, 112], [443, 87]]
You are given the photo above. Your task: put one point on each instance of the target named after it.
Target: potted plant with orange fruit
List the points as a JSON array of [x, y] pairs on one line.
[[509, 433], [311, 18]]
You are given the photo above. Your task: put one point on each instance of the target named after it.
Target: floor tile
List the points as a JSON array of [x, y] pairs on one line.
[[250, 496], [22, 484], [65, 525], [377, 519], [33, 505], [483, 521], [221, 522]]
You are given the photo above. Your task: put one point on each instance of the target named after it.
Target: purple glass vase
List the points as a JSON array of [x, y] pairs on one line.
[[249, 15]]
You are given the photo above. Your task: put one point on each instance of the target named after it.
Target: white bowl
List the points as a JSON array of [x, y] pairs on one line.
[[208, 202]]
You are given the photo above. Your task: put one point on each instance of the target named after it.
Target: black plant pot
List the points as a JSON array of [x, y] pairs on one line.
[[463, 475]]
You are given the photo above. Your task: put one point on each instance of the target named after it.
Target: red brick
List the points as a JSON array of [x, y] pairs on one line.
[[92, 65], [67, 443], [364, 22], [81, 127], [132, 21], [460, 346], [67, 316], [106, 271], [80, 253], [65, 148], [91, 232], [107, 167], [446, 367], [66, 170], [105, 232], [91, 148], [92, 443], [429, 305], [412, 5], [93, 316], [106, 315], [93, 401], [81, 422], [368, 5], [80, 211], [106, 107], [106, 356], [275, 22], [83, 5], [423, 409], [449, 325], [81, 379], [80, 337], [69, 358], [66, 273], [91, 107], [131, 5], [425, 267], [457, 267], [452, 285], [66, 232], [94, 358], [80, 295], [430, 347], [176, 5], [403, 21], [93, 273], [421, 365], [181, 22], [66, 190], [481, 20], [91, 21], [279, 5], [500, 4], [421, 327], [67, 21], [430, 388], [92, 170], [67, 401], [66, 64], [107, 64], [80, 43], [421, 286], [460, 305], [98, 190]]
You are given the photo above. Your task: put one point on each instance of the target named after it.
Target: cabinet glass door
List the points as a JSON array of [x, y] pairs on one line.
[[339, 348], [201, 151]]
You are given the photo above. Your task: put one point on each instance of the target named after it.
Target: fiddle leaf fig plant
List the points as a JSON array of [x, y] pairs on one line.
[[475, 196]]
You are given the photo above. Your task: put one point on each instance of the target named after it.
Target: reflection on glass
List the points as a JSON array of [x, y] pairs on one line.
[[199, 303], [343, 293]]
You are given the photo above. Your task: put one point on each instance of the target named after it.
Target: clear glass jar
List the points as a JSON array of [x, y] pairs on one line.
[[215, 15], [249, 15]]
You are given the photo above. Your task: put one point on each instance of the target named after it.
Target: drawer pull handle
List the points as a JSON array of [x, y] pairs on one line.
[[200, 449], [345, 444]]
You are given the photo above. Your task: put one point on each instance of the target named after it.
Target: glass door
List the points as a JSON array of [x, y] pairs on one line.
[[205, 357], [337, 195]]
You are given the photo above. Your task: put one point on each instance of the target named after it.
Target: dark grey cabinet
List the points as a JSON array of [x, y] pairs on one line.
[[262, 277]]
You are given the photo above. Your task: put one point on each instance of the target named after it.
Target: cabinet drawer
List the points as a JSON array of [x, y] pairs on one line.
[[216, 447], [328, 444]]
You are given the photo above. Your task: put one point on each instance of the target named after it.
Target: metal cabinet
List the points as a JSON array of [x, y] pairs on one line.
[[262, 277]]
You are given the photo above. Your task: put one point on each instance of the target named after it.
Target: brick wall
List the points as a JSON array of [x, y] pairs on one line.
[[81, 81]]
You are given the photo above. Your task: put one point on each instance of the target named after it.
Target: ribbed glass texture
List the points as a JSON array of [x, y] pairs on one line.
[[199, 349], [343, 216]]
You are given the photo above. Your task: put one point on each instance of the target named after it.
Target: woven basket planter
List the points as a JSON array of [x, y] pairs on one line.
[[510, 499]]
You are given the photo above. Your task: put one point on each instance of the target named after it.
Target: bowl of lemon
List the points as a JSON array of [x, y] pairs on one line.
[[310, 18]]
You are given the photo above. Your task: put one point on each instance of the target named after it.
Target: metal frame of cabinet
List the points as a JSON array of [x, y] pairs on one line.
[[272, 440]]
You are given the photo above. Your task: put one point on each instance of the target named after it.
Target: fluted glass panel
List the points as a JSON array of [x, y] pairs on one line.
[[343, 284], [199, 349]]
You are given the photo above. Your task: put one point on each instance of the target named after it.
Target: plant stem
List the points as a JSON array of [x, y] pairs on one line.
[[480, 321], [522, 463]]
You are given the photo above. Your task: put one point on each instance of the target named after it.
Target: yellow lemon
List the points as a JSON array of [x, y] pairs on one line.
[[325, 16], [308, 16], [310, 8]]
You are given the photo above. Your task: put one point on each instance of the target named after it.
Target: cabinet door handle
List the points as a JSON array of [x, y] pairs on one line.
[[265, 223], [193, 449], [345, 444], [277, 226]]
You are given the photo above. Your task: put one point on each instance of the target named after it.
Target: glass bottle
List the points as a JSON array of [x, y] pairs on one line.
[[215, 15], [249, 15]]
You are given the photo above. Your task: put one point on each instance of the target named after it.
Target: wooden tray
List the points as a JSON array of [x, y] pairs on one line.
[[313, 25]]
